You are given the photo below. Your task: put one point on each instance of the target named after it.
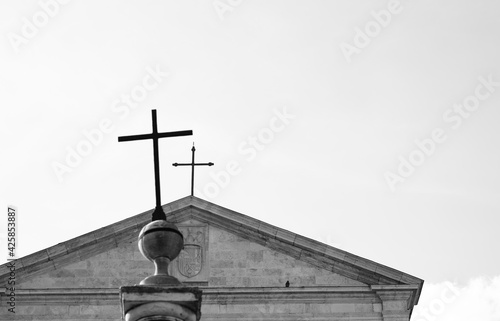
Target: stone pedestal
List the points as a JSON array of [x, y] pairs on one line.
[[148, 303]]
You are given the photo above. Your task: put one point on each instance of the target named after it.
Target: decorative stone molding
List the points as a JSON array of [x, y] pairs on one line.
[[397, 300], [210, 295]]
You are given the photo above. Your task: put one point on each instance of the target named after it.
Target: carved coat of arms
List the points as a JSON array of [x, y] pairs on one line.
[[190, 260]]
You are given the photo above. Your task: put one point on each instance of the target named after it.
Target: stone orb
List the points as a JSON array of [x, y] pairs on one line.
[[160, 239]]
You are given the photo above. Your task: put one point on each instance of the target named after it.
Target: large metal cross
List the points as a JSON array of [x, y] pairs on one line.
[[192, 164], [158, 213]]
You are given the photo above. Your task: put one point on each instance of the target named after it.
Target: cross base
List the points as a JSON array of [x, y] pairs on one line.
[[159, 214]]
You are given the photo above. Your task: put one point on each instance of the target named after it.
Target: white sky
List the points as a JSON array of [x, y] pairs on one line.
[[321, 175]]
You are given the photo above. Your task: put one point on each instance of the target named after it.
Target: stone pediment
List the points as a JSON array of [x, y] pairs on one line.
[[237, 243]]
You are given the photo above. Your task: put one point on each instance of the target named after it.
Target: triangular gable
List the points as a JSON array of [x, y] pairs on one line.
[[296, 246], [228, 261]]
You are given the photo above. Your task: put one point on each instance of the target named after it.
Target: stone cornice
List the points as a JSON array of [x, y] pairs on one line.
[[65, 296], [406, 292], [211, 295], [408, 295]]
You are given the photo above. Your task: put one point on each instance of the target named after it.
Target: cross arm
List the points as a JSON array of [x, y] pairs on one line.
[[134, 137], [191, 164], [178, 133], [158, 135]]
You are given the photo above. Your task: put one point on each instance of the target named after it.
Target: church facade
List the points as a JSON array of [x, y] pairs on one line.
[[246, 268]]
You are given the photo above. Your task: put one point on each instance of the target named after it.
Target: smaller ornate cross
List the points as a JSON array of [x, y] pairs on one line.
[[193, 164]]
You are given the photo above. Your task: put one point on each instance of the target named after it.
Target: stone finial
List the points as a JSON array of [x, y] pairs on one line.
[[160, 242]]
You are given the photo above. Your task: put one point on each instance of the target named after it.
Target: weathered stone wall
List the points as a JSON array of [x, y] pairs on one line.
[[124, 265], [232, 261], [241, 279]]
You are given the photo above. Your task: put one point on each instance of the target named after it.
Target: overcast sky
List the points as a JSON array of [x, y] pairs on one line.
[[368, 125]]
